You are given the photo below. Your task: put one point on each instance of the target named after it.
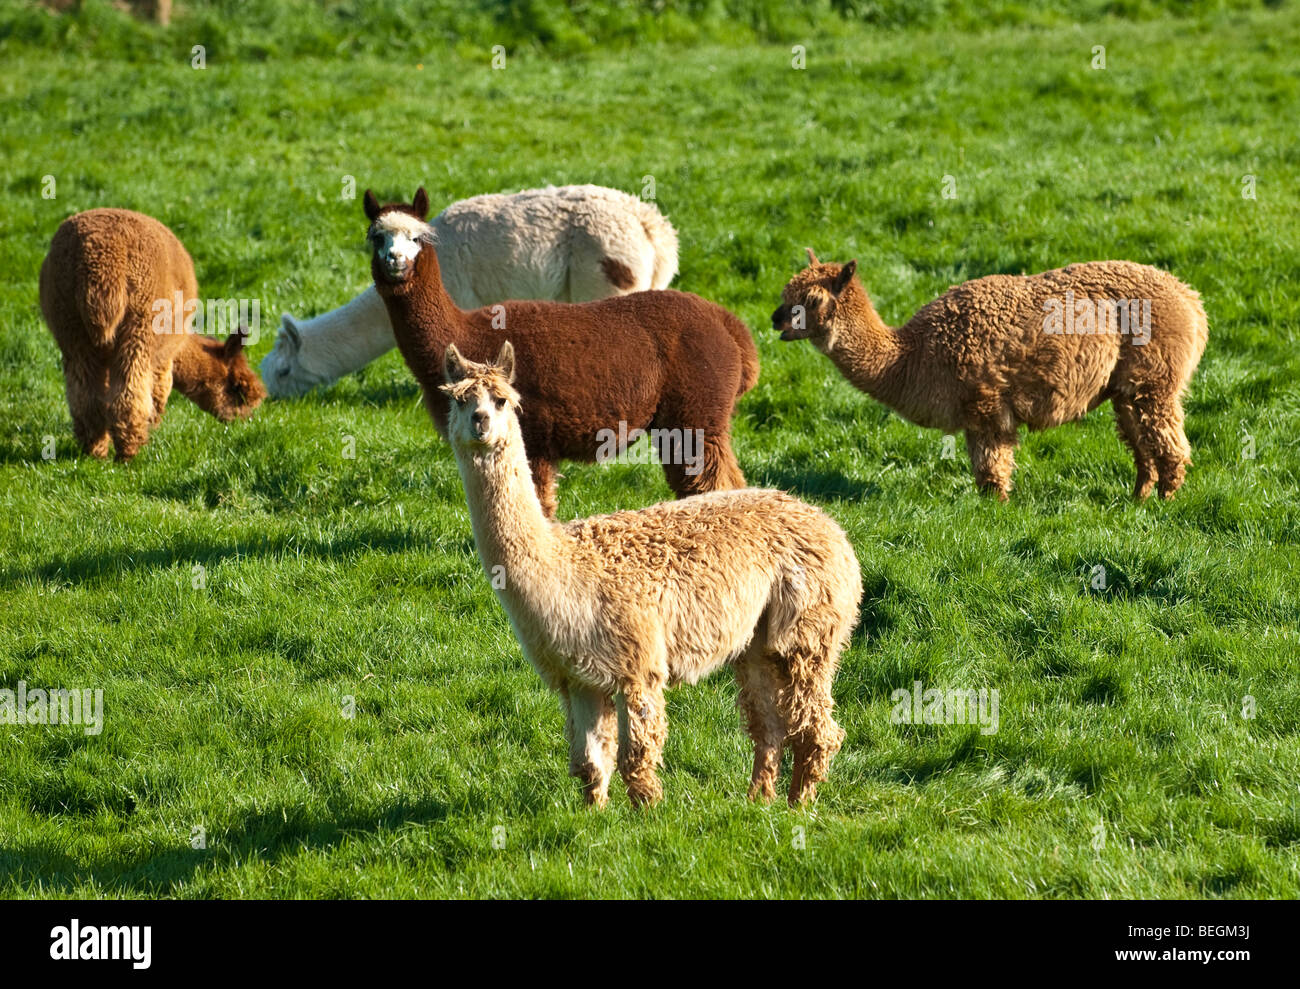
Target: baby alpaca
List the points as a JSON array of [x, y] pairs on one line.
[[100, 284], [1040, 350], [611, 610], [592, 373]]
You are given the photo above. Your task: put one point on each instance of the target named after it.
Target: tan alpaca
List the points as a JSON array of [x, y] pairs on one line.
[[612, 609], [994, 353], [100, 284]]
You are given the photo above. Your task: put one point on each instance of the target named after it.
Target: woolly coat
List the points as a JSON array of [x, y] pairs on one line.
[[982, 348], [569, 244], [662, 358]]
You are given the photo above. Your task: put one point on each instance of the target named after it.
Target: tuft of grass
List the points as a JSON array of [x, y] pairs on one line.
[[239, 590]]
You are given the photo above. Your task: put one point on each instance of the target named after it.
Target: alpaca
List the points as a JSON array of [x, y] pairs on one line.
[[101, 284], [588, 370], [611, 610], [1040, 350], [569, 244]]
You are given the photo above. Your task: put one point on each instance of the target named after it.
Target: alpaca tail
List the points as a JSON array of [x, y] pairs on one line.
[[103, 308], [663, 239], [99, 296], [748, 353]]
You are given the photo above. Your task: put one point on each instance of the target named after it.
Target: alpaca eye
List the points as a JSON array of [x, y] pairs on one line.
[[501, 403]]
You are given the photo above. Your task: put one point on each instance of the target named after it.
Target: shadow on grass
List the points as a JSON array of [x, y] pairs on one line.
[[89, 568], [265, 837], [816, 484]]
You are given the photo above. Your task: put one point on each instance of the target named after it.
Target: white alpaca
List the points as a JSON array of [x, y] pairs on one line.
[[568, 244]]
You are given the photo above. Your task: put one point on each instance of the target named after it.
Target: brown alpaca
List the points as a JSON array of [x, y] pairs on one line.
[[1005, 350], [100, 283], [665, 360], [611, 610]]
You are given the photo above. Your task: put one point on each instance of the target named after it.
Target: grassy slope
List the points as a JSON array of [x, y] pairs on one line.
[[329, 577]]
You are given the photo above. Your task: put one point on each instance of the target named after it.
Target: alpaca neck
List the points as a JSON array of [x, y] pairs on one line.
[[424, 317], [347, 338], [510, 529], [194, 368], [869, 353]]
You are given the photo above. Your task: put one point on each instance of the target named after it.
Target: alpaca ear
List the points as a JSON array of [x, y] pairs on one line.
[[421, 202], [812, 258], [845, 276], [371, 205], [235, 343], [453, 365], [292, 335], [506, 361]]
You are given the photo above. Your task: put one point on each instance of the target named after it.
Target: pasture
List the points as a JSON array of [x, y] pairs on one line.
[[303, 667]]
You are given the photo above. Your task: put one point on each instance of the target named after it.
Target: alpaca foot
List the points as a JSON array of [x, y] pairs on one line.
[[767, 770], [99, 448], [645, 792], [812, 760], [998, 489], [803, 789], [1146, 480], [763, 790], [1171, 479], [596, 795]]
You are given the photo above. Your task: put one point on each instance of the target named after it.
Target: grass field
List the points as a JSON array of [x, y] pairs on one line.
[[1123, 765]]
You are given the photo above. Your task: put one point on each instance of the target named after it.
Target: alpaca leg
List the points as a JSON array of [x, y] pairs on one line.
[[699, 460], [992, 458], [1160, 430], [130, 397], [809, 654], [816, 743], [162, 388], [591, 727], [642, 731], [1126, 423], [87, 386], [544, 480], [762, 683]]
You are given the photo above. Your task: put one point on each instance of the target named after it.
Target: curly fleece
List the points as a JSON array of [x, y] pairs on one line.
[[665, 359], [613, 609], [99, 282], [983, 358]]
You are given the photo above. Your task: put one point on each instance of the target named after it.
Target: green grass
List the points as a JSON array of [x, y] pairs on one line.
[[329, 577]]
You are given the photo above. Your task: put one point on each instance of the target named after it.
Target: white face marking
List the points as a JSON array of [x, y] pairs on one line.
[[397, 239]]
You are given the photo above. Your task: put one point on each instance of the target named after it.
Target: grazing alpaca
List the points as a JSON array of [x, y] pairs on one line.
[[662, 359], [611, 610], [574, 243], [102, 283], [996, 352]]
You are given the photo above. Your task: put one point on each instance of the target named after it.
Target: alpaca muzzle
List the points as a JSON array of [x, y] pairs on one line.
[[395, 266], [782, 323]]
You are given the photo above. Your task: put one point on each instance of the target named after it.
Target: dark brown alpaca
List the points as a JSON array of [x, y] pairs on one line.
[[109, 276], [661, 360]]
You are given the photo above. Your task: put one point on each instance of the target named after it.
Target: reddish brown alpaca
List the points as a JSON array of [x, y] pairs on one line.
[[105, 270], [656, 359]]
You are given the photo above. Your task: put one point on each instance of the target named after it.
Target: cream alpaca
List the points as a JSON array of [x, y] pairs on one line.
[[568, 244], [997, 352], [611, 610]]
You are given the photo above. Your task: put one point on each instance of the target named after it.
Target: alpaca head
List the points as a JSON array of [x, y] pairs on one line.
[[217, 377], [810, 299], [483, 405], [283, 369], [397, 235]]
